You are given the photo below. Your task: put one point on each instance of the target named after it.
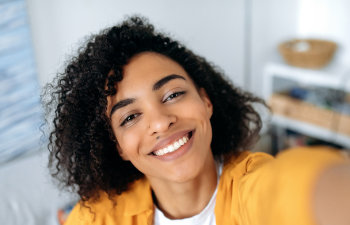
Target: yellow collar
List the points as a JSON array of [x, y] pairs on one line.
[[137, 199]]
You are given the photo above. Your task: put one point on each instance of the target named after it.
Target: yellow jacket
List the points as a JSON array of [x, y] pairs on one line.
[[254, 189]]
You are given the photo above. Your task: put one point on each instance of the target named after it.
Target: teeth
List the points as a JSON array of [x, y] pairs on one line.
[[172, 147], [181, 142]]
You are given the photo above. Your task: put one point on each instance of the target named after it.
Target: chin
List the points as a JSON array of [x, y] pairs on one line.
[[185, 174]]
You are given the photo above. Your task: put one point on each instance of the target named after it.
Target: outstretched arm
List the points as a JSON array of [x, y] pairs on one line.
[[331, 201], [304, 186]]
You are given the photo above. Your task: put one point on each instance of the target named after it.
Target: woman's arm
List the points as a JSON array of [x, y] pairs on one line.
[[332, 196], [299, 187]]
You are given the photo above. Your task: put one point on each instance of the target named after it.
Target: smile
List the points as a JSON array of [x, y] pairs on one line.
[[173, 146]]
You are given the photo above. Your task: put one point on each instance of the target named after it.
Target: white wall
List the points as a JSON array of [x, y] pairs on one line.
[[327, 19], [211, 28], [214, 29], [272, 22]]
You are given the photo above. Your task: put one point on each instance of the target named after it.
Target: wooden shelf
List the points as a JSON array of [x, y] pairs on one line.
[[311, 130], [335, 77]]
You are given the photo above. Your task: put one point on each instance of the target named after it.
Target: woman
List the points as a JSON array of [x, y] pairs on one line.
[[147, 132]]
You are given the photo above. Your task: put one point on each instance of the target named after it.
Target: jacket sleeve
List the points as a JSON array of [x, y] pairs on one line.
[[280, 192]]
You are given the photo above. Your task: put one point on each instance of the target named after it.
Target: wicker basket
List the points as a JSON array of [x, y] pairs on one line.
[[299, 110], [307, 53]]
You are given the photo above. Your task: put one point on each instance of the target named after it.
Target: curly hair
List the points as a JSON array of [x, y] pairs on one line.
[[82, 146]]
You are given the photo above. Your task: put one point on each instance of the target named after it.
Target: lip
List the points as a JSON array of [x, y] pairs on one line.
[[169, 140], [180, 151]]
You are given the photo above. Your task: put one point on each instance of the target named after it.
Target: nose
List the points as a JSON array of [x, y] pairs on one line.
[[160, 120]]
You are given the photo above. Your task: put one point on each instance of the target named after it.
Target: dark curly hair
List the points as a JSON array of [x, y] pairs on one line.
[[82, 146]]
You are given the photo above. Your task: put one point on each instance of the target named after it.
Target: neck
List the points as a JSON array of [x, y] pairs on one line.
[[185, 199]]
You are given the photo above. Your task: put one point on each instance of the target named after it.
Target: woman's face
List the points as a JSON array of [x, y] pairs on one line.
[[161, 120]]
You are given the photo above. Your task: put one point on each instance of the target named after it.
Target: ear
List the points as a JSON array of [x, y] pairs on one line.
[[121, 153], [208, 105]]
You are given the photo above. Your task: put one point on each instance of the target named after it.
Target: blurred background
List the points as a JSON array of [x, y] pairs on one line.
[[293, 53]]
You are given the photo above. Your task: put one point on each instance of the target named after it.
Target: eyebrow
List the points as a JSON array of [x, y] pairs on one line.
[[165, 80], [160, 83], [121, 104]]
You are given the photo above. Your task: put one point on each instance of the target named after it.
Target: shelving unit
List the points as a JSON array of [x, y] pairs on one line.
[[279, 77], [337, 77]]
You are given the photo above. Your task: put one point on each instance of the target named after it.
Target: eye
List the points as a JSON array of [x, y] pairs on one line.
[[129, 119], [174, 95]]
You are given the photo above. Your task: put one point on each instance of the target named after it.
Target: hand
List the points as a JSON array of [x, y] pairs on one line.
[[331, 201]]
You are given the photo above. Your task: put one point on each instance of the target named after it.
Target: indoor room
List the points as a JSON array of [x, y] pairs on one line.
[[293, 54]]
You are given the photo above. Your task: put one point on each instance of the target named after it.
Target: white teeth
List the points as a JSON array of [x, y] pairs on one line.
[[181, 142], [172, 147]]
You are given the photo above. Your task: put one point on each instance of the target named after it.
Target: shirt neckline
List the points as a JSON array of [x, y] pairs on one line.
[[198, 218]]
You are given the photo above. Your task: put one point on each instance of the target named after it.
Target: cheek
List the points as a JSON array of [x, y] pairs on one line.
[[128, 143], [196, 111], [204, 115], [201, 112]]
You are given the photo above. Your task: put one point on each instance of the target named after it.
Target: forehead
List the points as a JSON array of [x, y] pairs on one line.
[[150, 64], [144, 70]]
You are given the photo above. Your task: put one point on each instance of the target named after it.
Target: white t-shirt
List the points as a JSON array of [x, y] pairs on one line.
[[205, 217]]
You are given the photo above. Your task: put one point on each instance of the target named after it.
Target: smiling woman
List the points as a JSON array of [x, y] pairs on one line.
[[147, 132], [165, 105]]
